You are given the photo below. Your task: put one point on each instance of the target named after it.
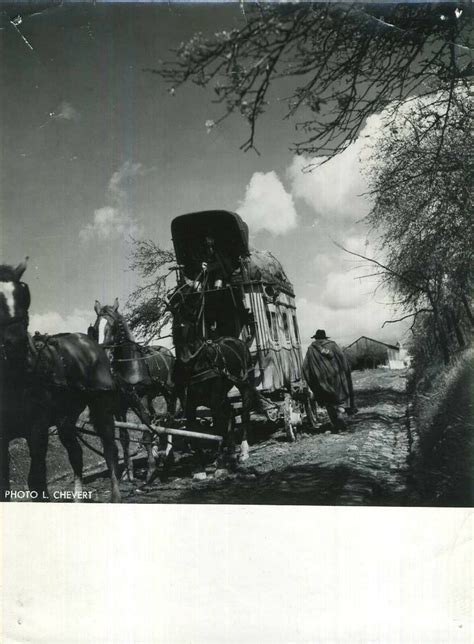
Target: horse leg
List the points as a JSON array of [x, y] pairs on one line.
[[334, 417], [128, 463], [138, 407], [150, 458], [170, 399], [103, 421], [68, 437], [223, 425], [4, 470], [38, 446], [247, 398], [191, 407], [149, 402], [125, 443], [151, 461]]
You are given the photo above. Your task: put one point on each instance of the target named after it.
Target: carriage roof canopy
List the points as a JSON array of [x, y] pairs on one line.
[[230, 232]]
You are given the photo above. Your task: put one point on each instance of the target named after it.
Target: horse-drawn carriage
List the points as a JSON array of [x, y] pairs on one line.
[[244, 293], [235, 335], [236, 341]]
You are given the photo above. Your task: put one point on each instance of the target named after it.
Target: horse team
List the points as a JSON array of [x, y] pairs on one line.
[[49, 381]]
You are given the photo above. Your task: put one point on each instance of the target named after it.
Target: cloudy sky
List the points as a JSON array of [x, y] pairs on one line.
[[95, 150]]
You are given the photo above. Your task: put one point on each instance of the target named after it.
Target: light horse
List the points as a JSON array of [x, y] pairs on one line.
[[46, 381], [140, 371], [206, 371]]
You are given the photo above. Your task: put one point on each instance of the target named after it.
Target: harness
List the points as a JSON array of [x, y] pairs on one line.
[[49, 365], [220, 368], [37, 351], [127, 389], [143, 358]]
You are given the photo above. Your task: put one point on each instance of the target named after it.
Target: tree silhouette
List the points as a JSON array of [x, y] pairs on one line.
[[147, 310], [421, 181], [339, 64]]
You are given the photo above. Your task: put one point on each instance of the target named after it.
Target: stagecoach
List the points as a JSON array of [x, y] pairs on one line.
[[239, 296], [243, 292], [224, 289]]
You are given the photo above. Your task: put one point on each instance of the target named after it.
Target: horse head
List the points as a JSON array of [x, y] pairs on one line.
[[14, 305], [107, 327]]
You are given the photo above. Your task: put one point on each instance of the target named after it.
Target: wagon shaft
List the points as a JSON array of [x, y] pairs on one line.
[[158, 429]]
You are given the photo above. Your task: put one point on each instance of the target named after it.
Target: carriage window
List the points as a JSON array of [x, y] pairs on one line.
[[269, 322], [274, 327], [286, 328], [295, 326]]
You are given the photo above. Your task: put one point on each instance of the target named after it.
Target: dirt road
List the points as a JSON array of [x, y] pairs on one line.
[[367, 465]]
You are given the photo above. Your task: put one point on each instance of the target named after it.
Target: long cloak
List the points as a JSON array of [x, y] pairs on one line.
[[328, 374]]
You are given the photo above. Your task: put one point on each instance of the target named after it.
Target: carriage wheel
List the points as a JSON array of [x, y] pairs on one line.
[[272, 413], [287, 409], [311, 410]]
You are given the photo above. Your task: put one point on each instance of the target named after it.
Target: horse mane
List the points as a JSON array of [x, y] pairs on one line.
[[7, 273]]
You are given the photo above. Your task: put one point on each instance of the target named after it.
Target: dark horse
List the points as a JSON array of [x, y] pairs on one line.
[[140, 371], [206, 371], [46, 381]]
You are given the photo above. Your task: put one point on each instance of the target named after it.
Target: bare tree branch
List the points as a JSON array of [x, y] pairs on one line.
[[342, 61], [405, 317]]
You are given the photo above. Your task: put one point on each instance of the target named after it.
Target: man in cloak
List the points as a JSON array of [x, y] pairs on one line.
[[328, 373]]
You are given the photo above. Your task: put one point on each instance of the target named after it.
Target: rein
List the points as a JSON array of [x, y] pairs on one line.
[[139, 348], [194, 355], [147, 357]]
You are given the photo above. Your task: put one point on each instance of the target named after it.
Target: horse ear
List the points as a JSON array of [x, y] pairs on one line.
[[20, 269], [116, 304], [97, 307]]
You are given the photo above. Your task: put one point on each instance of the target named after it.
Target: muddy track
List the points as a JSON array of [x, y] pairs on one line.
[[366, 465]]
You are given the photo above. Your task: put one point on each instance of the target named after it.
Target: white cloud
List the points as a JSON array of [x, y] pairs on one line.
[[346, 290], [334, 190], [53, 322], [110, 223], [267, 205], [348, 305], [114, 220]]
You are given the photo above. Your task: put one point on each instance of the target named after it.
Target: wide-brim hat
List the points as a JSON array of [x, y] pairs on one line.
[[320, 335]]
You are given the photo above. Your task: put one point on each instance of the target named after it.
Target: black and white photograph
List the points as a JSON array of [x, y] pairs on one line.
[[236, 253], [236, 322]]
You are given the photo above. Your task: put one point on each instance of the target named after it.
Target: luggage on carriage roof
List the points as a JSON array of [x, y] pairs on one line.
[[261, 266]]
